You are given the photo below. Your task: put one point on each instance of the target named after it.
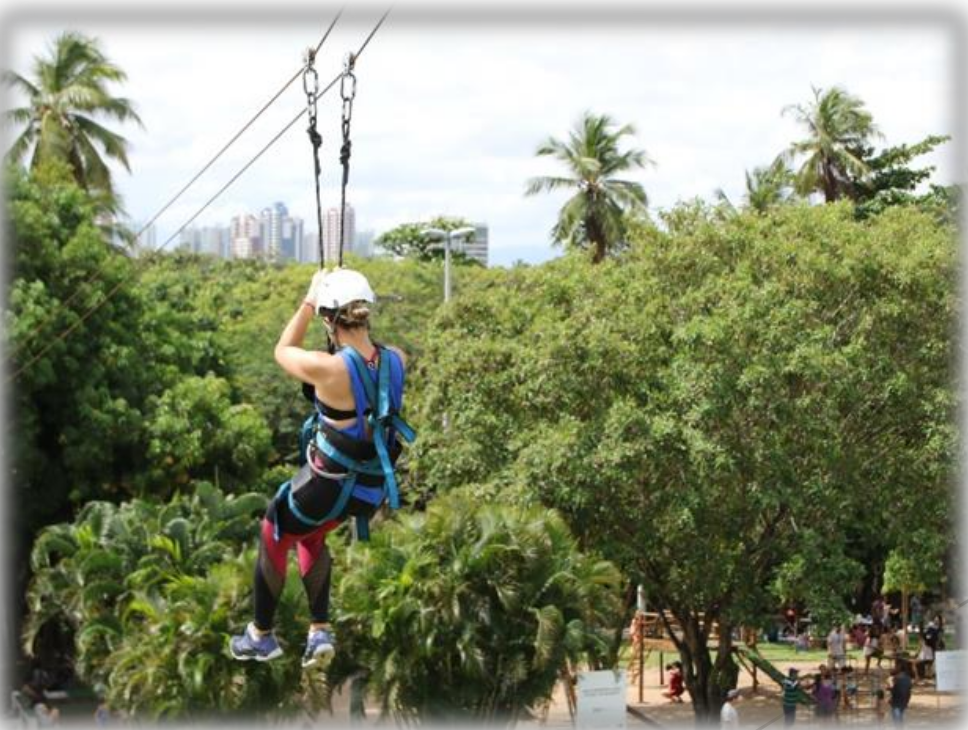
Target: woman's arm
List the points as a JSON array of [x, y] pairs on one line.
[[310, 367]]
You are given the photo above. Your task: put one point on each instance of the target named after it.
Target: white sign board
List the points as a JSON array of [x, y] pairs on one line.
[[948, 671], [601, 700]]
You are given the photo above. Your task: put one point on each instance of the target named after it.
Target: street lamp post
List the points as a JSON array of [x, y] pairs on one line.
[[447, 237]]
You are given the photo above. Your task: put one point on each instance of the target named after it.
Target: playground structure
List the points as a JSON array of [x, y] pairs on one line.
[[650, 632]]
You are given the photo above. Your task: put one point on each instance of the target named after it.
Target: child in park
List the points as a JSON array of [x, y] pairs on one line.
[[676, 687], [791, 692], [880, 706], [849, 684]]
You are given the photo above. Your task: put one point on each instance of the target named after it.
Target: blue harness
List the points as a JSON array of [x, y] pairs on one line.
[[380, 413]]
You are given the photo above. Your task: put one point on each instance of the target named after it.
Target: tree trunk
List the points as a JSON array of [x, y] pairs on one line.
[[904, 617], [596, 237], [627, 610], [829, 184], [706, 680]]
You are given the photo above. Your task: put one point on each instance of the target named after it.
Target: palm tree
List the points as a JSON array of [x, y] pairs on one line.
[[595, 215], [65, 95], [766, 187], [87, 574], [470, 611], [839, 129]]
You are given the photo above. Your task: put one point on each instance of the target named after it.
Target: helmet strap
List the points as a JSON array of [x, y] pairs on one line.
[[332, 339]]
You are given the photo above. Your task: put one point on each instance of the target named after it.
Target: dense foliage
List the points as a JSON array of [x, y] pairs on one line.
[[113, 564], [470, 610], [772, 391]]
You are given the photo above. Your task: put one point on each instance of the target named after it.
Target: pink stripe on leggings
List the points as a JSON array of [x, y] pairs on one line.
[[308, 546]]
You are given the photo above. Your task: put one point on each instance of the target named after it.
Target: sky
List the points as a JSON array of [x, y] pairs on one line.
[[450, 108]]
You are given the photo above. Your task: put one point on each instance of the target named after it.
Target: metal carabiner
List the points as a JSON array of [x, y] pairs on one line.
[[320, 472], [348, 74], [310, 71]]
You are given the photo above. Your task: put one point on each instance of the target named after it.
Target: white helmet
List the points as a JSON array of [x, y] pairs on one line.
[[342, 286]]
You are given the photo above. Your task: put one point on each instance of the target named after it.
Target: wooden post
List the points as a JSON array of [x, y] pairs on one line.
[[641, 632], [661, 668]]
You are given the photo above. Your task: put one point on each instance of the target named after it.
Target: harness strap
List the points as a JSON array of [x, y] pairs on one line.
[[381, 416], [383, 422], [345, 493], [372, 466], [285, 491], [362, 528]]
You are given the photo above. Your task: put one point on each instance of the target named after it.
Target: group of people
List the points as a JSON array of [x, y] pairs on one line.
[[829, 688], [880, 642]]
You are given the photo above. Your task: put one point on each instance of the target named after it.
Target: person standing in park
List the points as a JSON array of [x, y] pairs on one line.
[[824, 694], [728, 717], [791, 695], [900, 693], [915, 606], [927, 641], [837, 647], [877, 610], [872, 648]]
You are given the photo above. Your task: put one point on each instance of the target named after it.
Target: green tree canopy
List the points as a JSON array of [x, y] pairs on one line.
[[410, 240], [893, 181], [766, 187], [595, 216], [78, 399], [87, 573], [741, 406]]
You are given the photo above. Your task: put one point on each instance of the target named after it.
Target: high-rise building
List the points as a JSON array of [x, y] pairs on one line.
[[271, 223], [274, 234], [309, 248], [292, 233], [245, 236], [188, 240], [331, 228], [148, 240], [213, 241], [363, 244], [476, 248]]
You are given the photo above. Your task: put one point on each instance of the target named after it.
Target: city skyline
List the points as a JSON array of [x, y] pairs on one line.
[[277, 236]]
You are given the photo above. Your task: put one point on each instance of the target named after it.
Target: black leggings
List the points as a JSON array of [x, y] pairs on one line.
[[314, 496]]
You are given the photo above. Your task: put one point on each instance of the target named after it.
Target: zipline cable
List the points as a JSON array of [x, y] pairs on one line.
[[247, 165], [111, 292], [100, 270]]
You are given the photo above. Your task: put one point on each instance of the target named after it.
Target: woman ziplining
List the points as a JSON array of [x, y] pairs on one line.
[[351, 444]]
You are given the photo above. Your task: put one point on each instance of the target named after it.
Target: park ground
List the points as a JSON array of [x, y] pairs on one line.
[[761, 708], [758, 708]]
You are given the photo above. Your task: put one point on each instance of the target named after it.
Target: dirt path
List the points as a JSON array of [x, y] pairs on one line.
[[763, 708]]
